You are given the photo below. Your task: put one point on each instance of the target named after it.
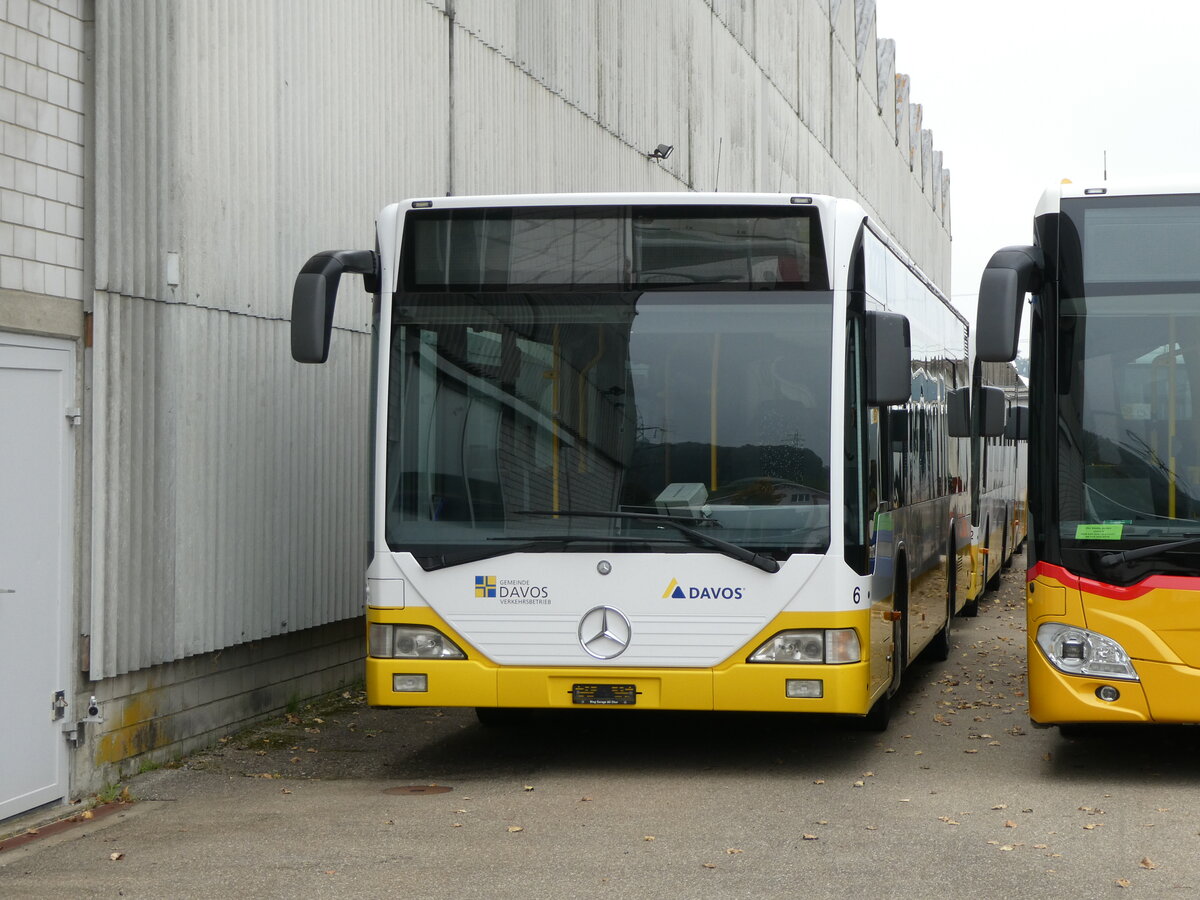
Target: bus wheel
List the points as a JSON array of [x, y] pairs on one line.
[[993, 583], [501, 717], [878, 716]]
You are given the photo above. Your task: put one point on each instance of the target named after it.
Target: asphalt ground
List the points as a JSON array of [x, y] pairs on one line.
[[960, 796]]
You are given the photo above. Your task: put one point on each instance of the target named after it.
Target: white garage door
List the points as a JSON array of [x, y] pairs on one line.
[[37, 388]]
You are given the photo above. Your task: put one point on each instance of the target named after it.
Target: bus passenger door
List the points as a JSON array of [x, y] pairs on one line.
[[880, 547]]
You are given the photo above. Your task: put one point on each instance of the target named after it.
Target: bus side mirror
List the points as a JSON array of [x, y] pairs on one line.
[[1011, 273], [958, 413], [315, 293], [992, 417], [1016, 428], [889, 359]]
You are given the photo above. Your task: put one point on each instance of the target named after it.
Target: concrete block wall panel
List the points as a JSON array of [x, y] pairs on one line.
[[157, 715], [865, 50], [886, 84], [43, 108], [814, 47]]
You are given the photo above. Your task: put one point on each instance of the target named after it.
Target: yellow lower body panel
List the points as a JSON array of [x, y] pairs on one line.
[[732, 686], [1057, 698], [1167, 694], [1174, 691]]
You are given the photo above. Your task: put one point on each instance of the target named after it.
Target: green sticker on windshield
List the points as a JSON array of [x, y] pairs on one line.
[[1106, 531]]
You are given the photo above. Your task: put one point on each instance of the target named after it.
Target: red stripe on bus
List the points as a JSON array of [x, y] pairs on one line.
[[1112, 591]]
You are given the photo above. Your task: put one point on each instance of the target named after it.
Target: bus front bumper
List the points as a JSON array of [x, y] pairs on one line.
[[1167, 693], [744, 687]]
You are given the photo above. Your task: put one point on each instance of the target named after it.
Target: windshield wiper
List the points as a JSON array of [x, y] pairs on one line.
[[1124, 556], [733, 551]]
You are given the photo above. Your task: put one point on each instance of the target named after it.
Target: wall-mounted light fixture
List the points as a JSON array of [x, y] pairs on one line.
[[662, 151]]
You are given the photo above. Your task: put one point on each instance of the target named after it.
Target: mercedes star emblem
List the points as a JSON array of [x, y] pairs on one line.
[[604, 632]]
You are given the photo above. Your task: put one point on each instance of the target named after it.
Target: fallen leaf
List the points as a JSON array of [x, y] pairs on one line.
[[115, 856], [1146, 864], [819, 781], [648, 837], [1123, 882], [1010, 824], [1091, 827], [1000, 806], [733, 851], [284, 791], [88, 814], [585, 799], [859, 783], [810, 837], [948, 820], [1008, 847], [710, 865], [513, 829]]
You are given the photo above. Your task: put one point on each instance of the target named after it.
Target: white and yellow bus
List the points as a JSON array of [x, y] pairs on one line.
[[654, 451], [1113, 584]]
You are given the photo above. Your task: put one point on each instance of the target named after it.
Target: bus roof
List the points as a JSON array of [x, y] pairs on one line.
[[666, 198], [1055, 194]]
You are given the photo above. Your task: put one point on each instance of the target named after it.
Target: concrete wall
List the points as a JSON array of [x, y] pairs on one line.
[[42, 167], [167, 166]]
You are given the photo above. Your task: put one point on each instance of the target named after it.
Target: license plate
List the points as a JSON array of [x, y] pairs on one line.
[[604, 694]]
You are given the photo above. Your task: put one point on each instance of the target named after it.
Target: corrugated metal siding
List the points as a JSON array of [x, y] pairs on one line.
[[230, 483]]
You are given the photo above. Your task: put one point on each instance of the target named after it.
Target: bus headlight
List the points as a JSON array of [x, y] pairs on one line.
[[831, 645], [1078, 651], [411, 642]]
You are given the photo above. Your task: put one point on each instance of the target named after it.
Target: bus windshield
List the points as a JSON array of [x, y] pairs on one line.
[[1129, 344], [708, 405]]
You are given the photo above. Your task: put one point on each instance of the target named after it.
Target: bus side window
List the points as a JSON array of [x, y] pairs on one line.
[[898, 445]]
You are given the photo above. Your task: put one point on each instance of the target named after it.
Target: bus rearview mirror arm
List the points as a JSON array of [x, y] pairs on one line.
[[1011, 273], [315, 294]]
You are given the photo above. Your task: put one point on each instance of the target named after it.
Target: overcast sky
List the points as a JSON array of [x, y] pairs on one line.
[[1021, 94]]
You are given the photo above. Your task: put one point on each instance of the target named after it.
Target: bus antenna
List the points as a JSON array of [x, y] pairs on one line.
[[717, 180]]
